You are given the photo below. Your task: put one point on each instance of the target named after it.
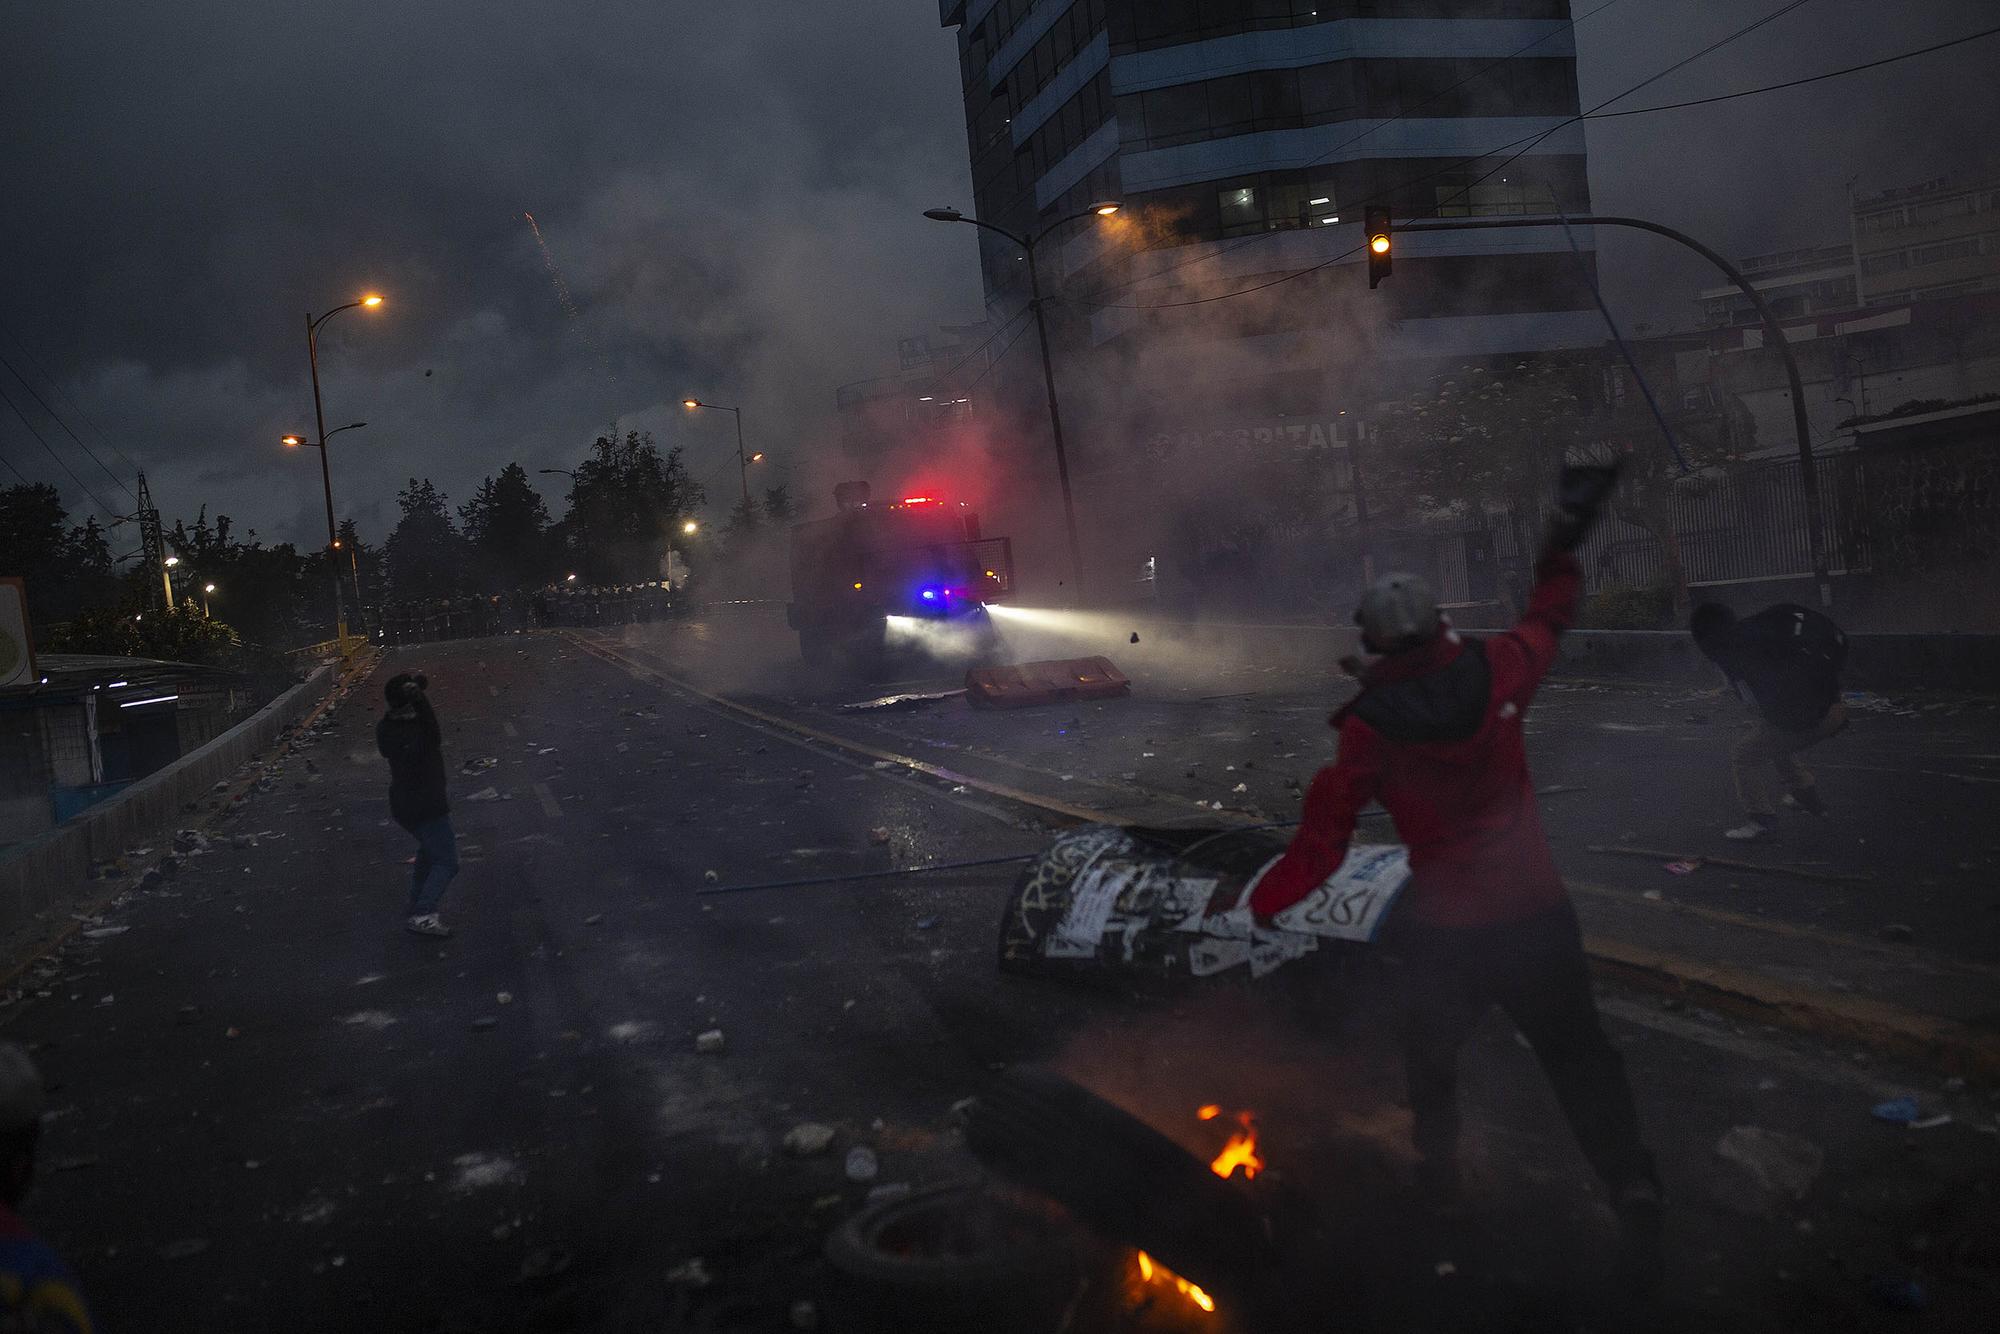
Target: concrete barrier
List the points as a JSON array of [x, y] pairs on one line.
[[45, 872]]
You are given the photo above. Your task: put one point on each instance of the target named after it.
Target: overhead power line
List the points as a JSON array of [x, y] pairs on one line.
[[104, 437], [95, 499], [57, 418], [1799, 83]]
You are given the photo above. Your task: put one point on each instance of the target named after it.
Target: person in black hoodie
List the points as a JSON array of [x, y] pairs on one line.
[[409, 739], [1785, 662]]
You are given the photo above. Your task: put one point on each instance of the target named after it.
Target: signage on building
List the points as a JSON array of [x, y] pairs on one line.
[[1292, 433], [17, 646]]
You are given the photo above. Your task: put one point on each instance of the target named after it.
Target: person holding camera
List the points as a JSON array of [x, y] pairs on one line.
[[409, 739]]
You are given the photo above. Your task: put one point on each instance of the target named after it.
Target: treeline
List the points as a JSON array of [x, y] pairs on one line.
[[627, 502]]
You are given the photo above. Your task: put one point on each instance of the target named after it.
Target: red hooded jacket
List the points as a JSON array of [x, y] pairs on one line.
[[1435, 735]]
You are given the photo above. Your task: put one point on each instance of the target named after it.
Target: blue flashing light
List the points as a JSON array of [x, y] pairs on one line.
[[930, 595]]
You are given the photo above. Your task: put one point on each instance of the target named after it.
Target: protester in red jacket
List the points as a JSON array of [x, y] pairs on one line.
[[1436, 736]]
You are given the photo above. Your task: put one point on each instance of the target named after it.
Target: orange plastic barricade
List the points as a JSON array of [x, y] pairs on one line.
[[1047, 682]]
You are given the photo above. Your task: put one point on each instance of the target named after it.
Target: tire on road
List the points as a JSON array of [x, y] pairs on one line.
[[955, 1257]]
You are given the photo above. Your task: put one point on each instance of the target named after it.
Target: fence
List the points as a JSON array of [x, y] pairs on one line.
[[1744, 526]]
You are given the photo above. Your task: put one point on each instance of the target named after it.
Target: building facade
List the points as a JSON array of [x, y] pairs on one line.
[[1940, 238], [1795, 283], [1243, 138]]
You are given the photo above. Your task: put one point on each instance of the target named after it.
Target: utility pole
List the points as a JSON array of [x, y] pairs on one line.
[[152, 544]]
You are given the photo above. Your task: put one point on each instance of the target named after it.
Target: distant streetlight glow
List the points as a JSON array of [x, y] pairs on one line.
[[371, 301], [758, 457], [208, 588], [1105, 208], [173, 561], [690, 403], [569, 578], [690, 527], [291, 441]]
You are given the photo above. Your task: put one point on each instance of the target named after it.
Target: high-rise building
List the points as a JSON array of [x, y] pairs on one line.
[[1226, 300], [1937, 239], [1244, 138]]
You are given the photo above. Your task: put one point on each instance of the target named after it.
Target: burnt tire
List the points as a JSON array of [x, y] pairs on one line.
[[1122, 1178], [955, 1258]]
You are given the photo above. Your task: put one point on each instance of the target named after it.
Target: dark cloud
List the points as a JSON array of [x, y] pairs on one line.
[[731, 192]]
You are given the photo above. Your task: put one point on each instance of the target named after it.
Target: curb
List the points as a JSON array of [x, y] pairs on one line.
[[1904, 1034]]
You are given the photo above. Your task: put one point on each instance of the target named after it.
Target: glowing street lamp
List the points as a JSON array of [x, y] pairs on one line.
[[1104, 208], [369, 301], [690, 527], [743, 461]]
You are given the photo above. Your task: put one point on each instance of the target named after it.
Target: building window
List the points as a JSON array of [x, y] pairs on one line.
[[1938, 254], [1892, 262], [1239, 209], [1485, 198]]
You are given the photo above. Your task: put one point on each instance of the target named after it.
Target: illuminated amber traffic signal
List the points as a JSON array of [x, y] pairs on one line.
[[1375, 226]]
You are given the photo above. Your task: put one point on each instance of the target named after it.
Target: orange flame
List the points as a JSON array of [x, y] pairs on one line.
[[1209, 1112], [1151, 1271], [1240, 1151]]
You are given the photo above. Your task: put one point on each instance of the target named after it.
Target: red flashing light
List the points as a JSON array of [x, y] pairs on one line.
[[918, 500]]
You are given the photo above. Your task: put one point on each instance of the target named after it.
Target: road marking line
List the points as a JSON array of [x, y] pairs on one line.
[[509, 729], [1906, 1033], [550, 806]]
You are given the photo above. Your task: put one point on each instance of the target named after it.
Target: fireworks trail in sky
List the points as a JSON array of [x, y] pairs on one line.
[[569, 306], [549, 261]]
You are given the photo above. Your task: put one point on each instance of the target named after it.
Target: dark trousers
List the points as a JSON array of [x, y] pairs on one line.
[[436, 864], [1535, 971]]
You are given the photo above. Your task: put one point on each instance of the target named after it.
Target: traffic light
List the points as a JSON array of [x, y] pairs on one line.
[[1375, 219]]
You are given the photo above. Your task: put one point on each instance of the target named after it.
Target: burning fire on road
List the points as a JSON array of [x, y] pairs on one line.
[[1239, 1155]]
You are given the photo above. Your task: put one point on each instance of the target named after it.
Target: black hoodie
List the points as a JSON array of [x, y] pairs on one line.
[[415, 750]]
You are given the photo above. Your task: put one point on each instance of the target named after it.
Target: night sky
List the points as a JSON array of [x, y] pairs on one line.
[[732, 193]]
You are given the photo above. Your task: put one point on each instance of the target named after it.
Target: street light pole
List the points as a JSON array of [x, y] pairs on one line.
[[1027, 243], [742, 459], [326, 469], [1773, 331]]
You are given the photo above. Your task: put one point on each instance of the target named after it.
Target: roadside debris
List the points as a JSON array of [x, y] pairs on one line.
[[808, 1138], [691, 1273], [1782, 1167], [709, 1043], [1796, 873], [862, 1165], [901, 703], [1897, 1111]]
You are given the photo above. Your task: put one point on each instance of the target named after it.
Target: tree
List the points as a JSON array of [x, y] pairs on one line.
[[1485, 444], [778, 504], [363, 564], [627, 500], [1478, 442], [507, 526], [425, 554], [65, 568]]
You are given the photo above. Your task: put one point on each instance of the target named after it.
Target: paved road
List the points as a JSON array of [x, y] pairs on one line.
[[276, 1110]]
